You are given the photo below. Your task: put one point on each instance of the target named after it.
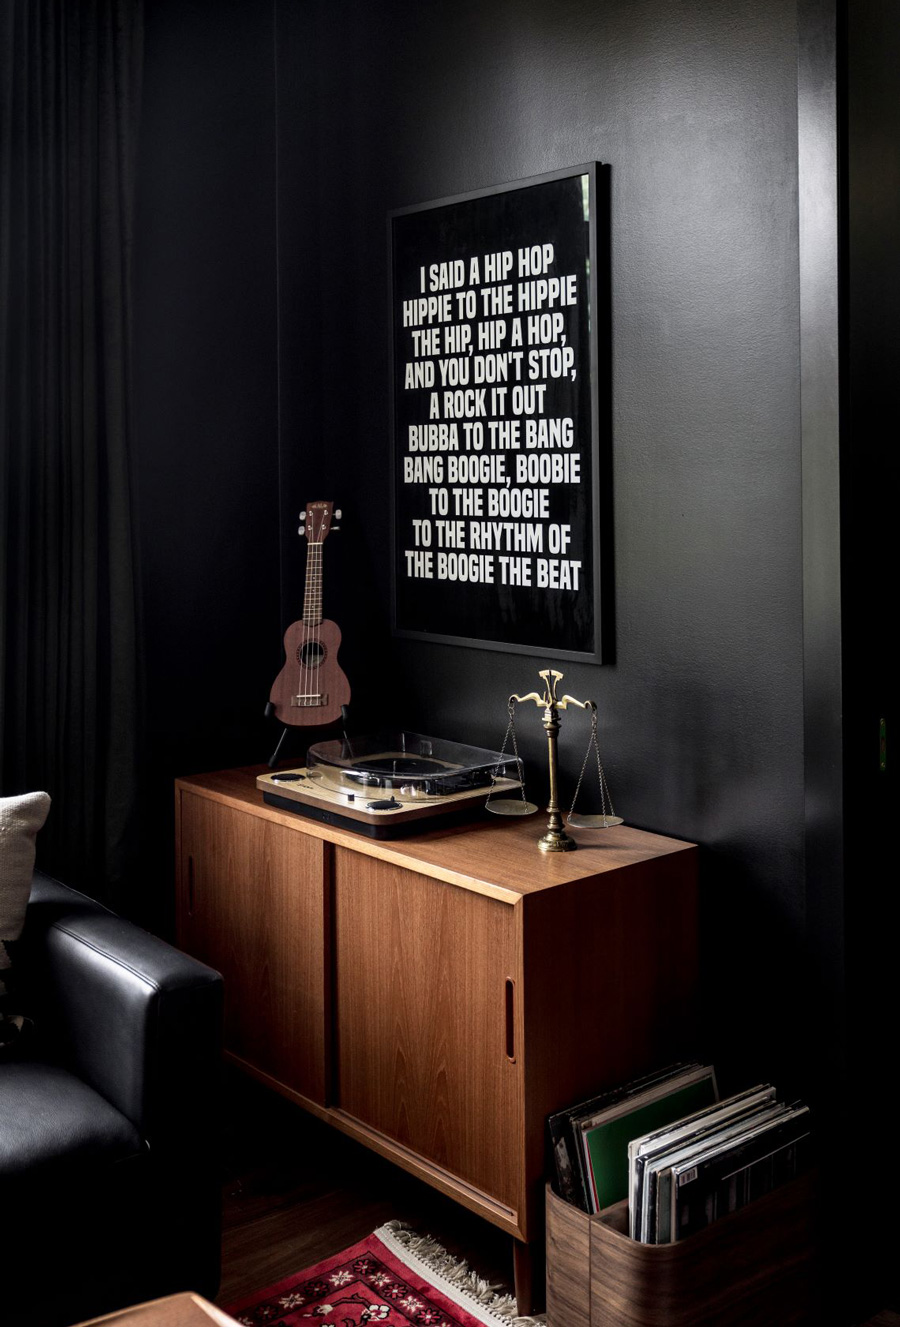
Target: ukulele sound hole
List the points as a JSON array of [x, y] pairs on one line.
[[311, 654]]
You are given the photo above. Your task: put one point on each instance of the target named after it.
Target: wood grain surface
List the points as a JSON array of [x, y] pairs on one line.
[[436, 998], [752, 1268], [568, 1264], [420, 1019], [492, 855], [444, 1181], [609, 988], [252, 904], [324, 685], [184, 1310]]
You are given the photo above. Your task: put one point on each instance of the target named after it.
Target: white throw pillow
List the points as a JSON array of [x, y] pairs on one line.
[[20, 819]]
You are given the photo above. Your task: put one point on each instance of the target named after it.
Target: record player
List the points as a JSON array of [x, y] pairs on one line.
[[392, 784]]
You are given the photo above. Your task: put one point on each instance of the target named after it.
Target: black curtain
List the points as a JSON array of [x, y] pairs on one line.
[[69, 676]]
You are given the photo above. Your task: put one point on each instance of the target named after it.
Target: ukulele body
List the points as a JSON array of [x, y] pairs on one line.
[[311, 687]]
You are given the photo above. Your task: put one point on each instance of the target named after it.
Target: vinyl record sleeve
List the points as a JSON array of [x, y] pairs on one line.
[[605, 1136], [724, 1180], [683, 1132], [658, 1182], [565, 1148]]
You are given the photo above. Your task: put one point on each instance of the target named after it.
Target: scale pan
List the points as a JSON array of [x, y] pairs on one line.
[[578, 821], [510, 806]]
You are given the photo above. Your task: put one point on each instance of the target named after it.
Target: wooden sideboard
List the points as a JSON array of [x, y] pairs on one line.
[[437, 997]]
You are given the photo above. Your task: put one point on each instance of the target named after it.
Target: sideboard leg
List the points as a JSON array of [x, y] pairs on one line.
[[528, 1270]]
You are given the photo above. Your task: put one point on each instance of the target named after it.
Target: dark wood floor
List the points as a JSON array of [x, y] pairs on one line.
[[297, 1191]]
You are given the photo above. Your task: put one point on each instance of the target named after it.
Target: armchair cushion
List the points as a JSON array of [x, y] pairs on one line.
[[52, 1119]]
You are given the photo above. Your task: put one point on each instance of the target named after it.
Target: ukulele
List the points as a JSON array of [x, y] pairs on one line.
[[311, 687]]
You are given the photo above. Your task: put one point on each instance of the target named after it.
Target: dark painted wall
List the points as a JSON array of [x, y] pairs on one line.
[[693, 105]]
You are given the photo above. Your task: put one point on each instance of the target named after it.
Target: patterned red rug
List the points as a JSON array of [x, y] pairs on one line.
[[394, 1278]]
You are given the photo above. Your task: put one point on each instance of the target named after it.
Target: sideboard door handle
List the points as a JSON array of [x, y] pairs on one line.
[[510, 1020]]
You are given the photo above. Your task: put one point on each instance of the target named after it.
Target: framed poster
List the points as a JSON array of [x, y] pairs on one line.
[[500, 395]]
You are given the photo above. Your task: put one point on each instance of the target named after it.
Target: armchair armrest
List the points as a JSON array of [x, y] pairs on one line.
[[140, 1023], [134, 1018]]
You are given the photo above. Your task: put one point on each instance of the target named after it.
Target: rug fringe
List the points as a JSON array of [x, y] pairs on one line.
[[457, 1275]]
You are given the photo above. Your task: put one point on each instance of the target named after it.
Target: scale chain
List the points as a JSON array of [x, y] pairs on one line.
[[605, 798], [527, 807]]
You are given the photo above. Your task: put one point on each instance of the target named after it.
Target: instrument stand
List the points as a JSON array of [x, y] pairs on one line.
[[285, 727]]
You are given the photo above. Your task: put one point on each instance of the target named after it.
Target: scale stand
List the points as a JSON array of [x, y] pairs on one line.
[[270, 710], [555, 839]]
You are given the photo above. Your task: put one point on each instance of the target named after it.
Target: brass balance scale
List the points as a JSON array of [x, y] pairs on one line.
[[555, 839]]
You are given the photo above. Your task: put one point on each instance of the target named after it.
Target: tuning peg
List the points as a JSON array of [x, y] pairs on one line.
[[303, 516], [338, 514]]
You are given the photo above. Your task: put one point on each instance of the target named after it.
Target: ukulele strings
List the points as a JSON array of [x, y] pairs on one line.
[[307, 614], [313, 614], [311, 610]]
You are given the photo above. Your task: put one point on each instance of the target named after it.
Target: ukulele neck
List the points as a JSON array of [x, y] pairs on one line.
[[312, 593]]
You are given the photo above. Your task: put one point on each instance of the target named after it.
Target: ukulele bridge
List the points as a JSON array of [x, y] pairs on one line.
[[309, 700]]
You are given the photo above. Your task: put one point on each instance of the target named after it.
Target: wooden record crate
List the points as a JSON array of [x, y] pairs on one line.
[[755, 1266]]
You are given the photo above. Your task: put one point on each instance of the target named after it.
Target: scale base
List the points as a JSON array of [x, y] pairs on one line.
[[555, 840]]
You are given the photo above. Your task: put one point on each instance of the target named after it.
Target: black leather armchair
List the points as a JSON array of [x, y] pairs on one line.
[[109, 1190]]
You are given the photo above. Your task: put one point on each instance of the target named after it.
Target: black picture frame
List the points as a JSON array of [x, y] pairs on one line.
[[500, 408]]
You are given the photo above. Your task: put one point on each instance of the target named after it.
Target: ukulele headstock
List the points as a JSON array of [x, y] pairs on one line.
[[316, 521]]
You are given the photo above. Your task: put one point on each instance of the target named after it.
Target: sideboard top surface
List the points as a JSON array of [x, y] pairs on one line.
[[491, 855]]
